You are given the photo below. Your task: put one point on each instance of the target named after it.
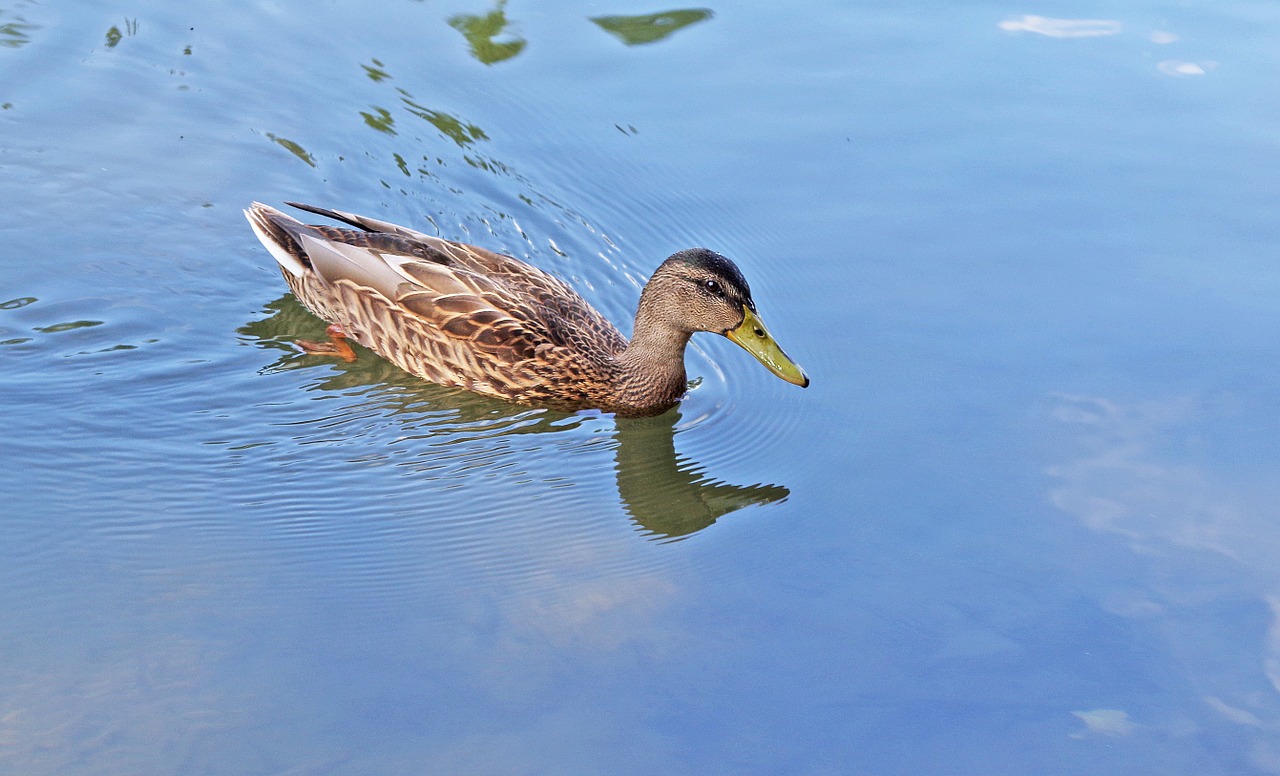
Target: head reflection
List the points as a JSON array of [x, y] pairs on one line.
[[668, 496]]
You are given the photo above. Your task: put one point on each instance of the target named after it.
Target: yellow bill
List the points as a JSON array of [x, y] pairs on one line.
[[754, 338]]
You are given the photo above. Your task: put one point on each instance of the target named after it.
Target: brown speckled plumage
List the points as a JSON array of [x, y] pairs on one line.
[[460, 315]]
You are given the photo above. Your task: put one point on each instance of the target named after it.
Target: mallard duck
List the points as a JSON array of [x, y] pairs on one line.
[[464, 316]]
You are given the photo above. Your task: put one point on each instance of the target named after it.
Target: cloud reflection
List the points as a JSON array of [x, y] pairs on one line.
[[1095, 28], [1179, 68], [1062, 28], [1106, 722], [1202, 541], [1122, 486]]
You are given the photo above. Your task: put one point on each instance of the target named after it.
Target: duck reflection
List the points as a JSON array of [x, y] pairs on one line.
[[667, 496]]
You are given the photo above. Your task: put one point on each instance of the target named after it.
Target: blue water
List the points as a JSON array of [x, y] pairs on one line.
[[1024, 520]]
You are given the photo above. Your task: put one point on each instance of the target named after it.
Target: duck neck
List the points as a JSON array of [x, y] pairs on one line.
[[651, 374]]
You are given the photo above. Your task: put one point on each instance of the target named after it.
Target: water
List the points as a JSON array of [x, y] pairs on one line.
[[1023, 521]]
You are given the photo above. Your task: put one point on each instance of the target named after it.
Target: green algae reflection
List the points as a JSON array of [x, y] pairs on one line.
[[114, 35], [15, 31], [481, 33], [292, 148], [381, 119], [463, 133], [650, 28]]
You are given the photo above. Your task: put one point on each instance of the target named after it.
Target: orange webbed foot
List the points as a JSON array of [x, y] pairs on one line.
[[336, 345]]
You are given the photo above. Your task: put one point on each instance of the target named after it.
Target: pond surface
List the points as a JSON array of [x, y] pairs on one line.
[[1024, 521]]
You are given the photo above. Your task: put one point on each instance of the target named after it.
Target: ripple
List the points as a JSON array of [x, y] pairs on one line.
[[62, 334], [397, 485], [421, 466]]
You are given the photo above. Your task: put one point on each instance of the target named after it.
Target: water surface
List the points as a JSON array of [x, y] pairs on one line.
[[1023, 521]]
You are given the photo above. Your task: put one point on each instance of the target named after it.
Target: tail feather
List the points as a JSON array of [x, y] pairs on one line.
[[332, 254], [277, 233], [360, 222]]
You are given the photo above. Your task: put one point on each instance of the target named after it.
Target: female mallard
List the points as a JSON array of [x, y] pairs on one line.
[[464, 316]]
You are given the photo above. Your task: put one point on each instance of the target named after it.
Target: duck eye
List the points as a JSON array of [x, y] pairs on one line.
[[713, 286]]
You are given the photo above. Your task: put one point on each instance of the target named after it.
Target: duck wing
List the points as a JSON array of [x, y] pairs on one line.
[[494, 302]]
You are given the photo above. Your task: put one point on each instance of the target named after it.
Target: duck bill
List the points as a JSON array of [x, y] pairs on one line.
[[753, 337]]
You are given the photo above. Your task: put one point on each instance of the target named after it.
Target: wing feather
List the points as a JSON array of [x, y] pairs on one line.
[[454, 313]]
